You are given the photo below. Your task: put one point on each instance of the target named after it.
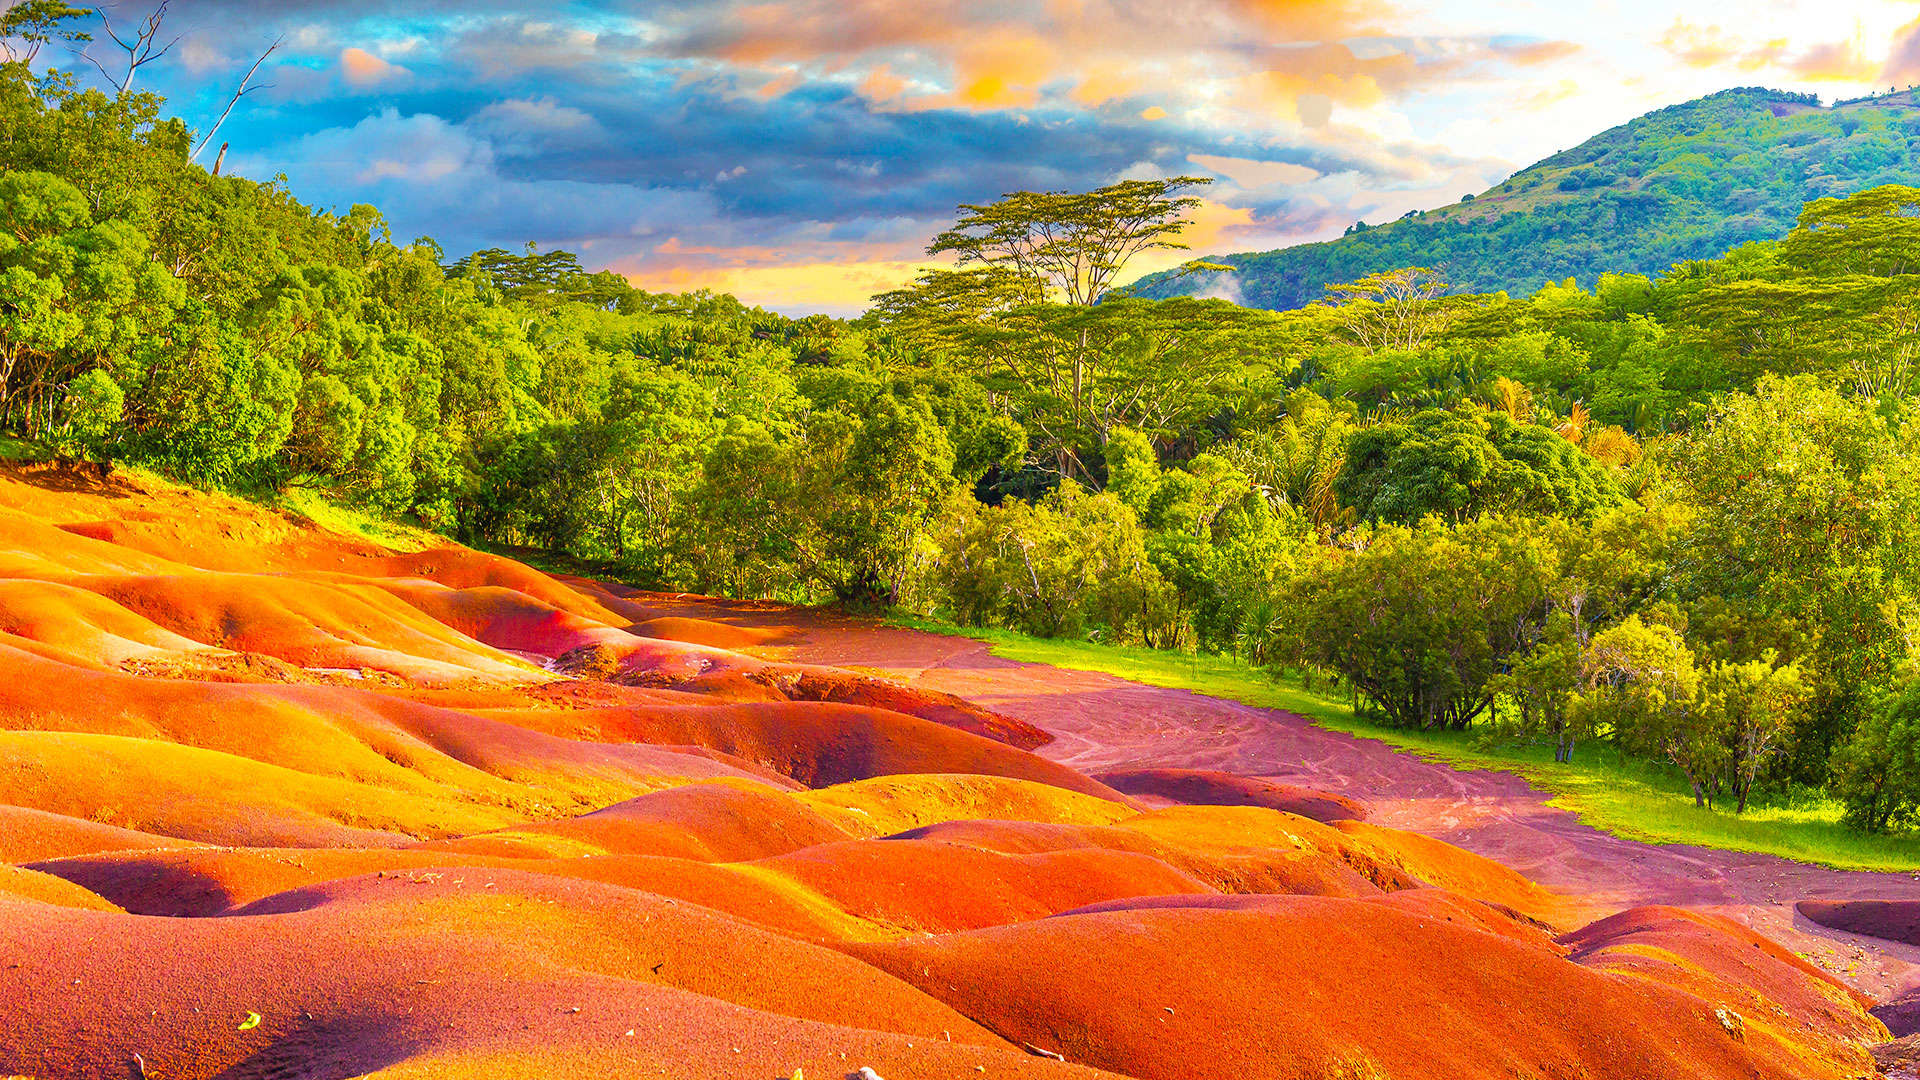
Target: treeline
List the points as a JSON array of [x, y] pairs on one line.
[[1669, 515]]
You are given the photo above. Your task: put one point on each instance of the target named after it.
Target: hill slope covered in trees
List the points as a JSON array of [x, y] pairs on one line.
[[1686, 182]]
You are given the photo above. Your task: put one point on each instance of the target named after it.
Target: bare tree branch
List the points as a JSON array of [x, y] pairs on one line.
[[242, 91], [142, 48]]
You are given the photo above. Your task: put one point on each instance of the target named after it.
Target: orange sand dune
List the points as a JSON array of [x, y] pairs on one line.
[[30, 835], [1194, 992], [280, 803]]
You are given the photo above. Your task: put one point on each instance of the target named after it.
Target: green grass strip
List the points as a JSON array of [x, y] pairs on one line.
[[1637, 800]]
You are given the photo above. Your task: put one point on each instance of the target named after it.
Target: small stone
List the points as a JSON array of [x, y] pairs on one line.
[[1732, 1023]]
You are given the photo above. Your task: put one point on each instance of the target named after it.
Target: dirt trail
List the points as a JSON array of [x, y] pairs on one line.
[[1101, 722]]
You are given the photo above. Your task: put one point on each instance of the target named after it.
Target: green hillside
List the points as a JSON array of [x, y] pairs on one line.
[[1690, 181]]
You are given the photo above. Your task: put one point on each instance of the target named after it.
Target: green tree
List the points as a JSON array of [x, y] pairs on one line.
[[1805, 499], [1642, 678], [1073, 244], [1463, 463], [1755, 706], [1876, 771], [32, 25], [1422, 618], [1542, 682]]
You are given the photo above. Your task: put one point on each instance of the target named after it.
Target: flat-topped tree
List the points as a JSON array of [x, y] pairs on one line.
[[1033, 314], [1073, 244], [26, 28]]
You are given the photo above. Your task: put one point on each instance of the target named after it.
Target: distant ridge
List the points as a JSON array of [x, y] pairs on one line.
[[1689, 181]]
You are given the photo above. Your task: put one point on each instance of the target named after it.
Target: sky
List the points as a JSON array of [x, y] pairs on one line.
[[801, 153]]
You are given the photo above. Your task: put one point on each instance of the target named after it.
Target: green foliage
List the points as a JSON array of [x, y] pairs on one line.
[[1072, 244], [1876, 771], [1463, 464], [1051, 567], [1421, 619], [1807, 499]]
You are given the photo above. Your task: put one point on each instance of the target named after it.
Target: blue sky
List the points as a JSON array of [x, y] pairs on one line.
[[800, 153]]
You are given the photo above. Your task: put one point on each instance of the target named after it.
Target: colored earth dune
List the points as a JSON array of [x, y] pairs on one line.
[[276, 802]]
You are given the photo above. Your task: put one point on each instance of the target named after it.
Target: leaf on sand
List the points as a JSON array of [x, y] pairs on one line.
[[252, 1021]]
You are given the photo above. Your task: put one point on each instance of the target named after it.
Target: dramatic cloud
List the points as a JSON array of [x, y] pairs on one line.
[[802, 152]]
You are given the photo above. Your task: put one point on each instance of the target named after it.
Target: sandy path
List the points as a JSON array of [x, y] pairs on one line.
[[1101, 722]]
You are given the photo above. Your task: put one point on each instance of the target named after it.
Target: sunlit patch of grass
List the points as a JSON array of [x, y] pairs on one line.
[[311, 506], [1638, 800]]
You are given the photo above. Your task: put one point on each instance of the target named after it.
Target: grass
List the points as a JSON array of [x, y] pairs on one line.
[[310, 505], [1637, 800], [13, 448]]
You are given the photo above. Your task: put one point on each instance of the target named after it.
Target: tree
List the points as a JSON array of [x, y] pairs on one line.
[[1072, 244], [1464, 463], [73, 295], [1422, 618], [840, 502], [1876, 772], [1755, 705], [1642, 677], [1296, 461], [1392, 310], [142, 46], [1070, 561], [1078, 368], [1806, 499], [1542, 681], [32, 25], [1073, 374]]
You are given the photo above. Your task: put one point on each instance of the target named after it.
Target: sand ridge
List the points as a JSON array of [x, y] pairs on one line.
[[280, 803]]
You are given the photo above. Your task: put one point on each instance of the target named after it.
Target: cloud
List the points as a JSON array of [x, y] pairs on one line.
[[1711, 46], [803, 151], [1255, 175], [430, 176], [1903, 62], [362, 70], [519, 127]]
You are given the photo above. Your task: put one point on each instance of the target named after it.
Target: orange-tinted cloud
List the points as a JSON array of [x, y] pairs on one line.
[[1835, 61], [1538, 52], [363, 71], [1312, 20], [1703, 46], [1105, 82], [1903, 64], [882, 85], [938, 54], [1255, 175]]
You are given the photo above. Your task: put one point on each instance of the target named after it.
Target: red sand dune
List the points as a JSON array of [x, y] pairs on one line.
[[435, 813]]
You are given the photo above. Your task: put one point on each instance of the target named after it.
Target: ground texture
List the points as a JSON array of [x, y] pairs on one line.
[[281, 803]]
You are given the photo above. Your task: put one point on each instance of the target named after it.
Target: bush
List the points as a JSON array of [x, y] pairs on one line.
[[1423, 618], [1876, 772], [1056, 567]]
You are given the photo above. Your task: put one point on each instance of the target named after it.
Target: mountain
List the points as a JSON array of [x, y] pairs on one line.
[[1685, 182]]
